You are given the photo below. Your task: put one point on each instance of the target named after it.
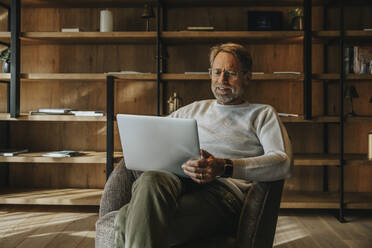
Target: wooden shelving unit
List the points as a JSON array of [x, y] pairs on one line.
[[31, 39]]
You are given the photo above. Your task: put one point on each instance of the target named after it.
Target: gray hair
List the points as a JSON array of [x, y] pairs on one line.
[[240, 53]]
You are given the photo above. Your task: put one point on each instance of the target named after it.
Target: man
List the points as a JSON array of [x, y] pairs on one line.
[[240, 142]]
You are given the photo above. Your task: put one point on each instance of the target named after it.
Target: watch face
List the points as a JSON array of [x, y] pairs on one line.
[[228, 170]]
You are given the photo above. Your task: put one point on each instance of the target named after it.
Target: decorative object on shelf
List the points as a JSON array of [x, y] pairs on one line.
[[264, 20], [148, 13], [174, 103], [362, 58], [350, 93], [370, 145], [5, 57], [12, 152], [106, 21], [297, 15]]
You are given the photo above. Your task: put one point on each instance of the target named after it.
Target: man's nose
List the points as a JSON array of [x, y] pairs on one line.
[[224, 77]]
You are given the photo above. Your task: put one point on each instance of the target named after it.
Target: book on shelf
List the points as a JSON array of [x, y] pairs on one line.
[[362, 59], [62, 154], [287, 115], [195, 28], [12, 152], [67, 112], [60, 111], [287, 72], [70, 30], [87, 113]]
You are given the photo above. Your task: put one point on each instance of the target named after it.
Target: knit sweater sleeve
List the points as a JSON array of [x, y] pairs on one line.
[[276, 162]]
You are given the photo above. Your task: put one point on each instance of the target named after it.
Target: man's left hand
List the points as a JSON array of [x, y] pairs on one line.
[[204, 170]]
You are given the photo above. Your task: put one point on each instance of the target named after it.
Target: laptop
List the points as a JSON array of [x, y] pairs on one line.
[[158, 143]]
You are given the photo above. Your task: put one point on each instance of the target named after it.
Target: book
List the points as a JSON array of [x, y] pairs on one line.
[[70, 30], [192, 28], [287, 72], [287, 115], [62, 154], [87, 113], [12, 152], [54, 110], [362, 58], [196, 72]]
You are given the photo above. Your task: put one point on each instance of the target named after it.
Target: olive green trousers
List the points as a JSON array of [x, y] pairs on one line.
[[167, 210]]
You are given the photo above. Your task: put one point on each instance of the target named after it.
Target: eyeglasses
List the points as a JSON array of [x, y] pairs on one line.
[[216, 73]]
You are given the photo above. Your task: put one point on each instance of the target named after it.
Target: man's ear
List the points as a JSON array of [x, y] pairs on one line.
[[247, 77]]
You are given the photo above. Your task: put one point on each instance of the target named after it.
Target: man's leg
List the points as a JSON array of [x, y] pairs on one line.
[[144, 221], [205, 211]]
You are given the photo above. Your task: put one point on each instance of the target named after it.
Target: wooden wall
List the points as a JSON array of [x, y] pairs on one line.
[[140, 97]]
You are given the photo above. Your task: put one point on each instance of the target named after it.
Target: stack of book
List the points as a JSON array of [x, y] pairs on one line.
[[66, 111]]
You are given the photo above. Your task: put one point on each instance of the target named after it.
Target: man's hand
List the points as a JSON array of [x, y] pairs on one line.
[[204, 170]]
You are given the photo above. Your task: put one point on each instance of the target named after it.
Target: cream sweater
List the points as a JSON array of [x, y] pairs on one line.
[[251, 135]]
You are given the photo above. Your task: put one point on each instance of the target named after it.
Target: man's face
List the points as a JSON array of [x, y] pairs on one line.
[[228, 81]]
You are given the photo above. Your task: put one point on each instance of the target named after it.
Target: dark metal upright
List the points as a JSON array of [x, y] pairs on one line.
[[15, 65], [325, 101], [307, 59], [159, 56], [341, 129], [109, 125]]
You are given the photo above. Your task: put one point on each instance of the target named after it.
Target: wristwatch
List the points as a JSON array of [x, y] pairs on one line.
[[228, 168]]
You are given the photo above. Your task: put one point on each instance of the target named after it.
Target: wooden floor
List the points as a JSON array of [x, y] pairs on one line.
[[73, 227]]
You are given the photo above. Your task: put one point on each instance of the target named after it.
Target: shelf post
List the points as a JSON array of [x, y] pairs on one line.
[[109, 125], [341, 129], [159, 57], [307, 60], [15, 65], [325, 101]]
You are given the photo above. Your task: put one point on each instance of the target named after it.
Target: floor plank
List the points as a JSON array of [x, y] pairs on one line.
[[74, 227]]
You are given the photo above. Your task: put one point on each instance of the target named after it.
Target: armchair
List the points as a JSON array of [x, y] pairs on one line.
[[256, 228]]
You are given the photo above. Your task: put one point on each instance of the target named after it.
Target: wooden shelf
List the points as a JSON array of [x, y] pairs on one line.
[[69, 196], [5, 77], [214, 36], [36, 157], [88, 37], [5, 37], [331, 160], [170, 3], [85, 76], [258, 77], [28, 117], [349, 34], [315, 119], [336, 76], [325, 200]]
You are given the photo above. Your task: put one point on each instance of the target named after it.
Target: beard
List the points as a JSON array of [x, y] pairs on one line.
[[230, 94]]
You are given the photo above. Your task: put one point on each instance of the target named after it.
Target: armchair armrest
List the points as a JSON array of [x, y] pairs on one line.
[[259, 215], [118, 189]]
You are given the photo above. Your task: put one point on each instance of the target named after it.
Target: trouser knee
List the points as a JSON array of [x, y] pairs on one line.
[[158, 182]]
